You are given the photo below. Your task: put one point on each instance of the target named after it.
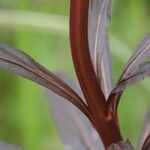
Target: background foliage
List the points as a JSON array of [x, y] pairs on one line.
[[25, 117]]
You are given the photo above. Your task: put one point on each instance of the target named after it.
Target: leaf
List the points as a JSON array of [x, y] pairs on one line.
[[99, 17], [146, 145], [6, 146], [133, 72], [142, 72], [144, 140], [139, 56], [74, 128], [121, 146], [136, 69], [18, 62]]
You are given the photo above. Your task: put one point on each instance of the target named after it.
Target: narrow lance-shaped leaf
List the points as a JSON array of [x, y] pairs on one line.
[[99, 17], [21, 64], [75, 129], [142, 72], [139, 56], [136, 68]]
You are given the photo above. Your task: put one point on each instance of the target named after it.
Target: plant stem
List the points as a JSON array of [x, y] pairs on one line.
[[108, 131]]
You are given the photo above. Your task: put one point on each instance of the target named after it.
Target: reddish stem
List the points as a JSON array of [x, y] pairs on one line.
[[108, 130], [81, 56], [112, 105], [113, 102]]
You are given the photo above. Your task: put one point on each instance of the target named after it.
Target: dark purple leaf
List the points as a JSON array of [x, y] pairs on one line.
[[18, 62], [121, 146], [74, 128], [133, 72], [99, 17], [142, 72], [144, 142], [136, 69], [139, 56]]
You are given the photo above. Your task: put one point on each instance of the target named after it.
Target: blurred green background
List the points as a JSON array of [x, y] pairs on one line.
[[25, 117]]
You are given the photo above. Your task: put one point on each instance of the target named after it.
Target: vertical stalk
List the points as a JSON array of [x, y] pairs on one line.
[[81, 56], [108, 131]]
